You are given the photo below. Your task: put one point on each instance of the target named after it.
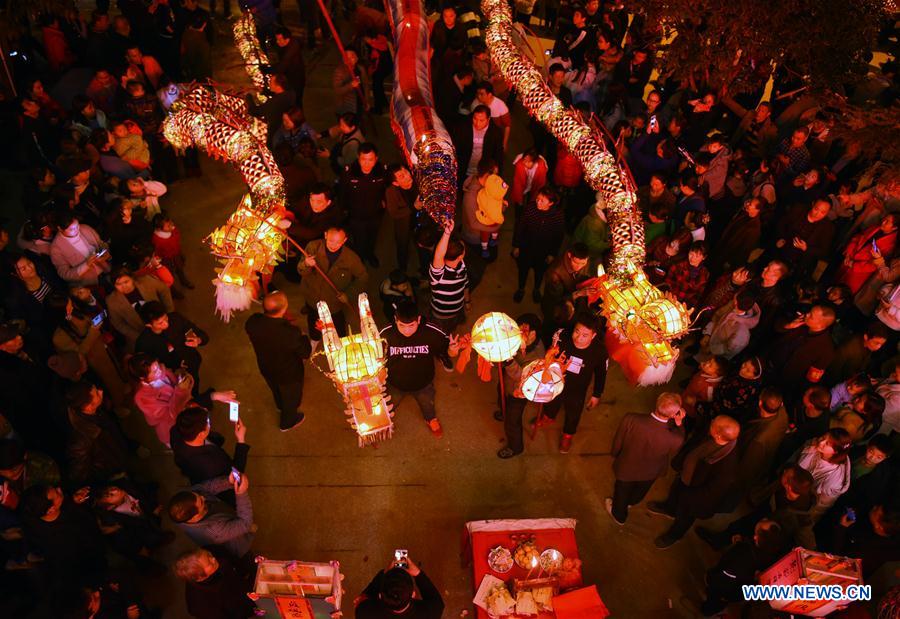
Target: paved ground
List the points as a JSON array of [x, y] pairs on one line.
[[317, 496]]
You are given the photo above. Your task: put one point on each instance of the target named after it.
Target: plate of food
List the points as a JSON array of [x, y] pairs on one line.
[[527, 556], [499, 602], [500, 559], [551, 560]]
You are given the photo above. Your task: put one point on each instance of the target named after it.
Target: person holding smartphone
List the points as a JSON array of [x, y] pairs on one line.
[[171, 338], [80, 334], [198, 450], [865, 249], [77, 252], [400, 590]]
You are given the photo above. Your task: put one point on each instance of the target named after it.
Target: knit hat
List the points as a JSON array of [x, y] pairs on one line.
[[490, 201]]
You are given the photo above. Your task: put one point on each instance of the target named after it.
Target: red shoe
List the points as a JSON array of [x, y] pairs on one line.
[[435, 426], [565, 443]]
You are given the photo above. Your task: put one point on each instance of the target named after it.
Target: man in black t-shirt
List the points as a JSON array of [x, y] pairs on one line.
[[412, 347], [586, 360]]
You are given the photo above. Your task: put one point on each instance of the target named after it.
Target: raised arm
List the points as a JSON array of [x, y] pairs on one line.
[[440, 249]]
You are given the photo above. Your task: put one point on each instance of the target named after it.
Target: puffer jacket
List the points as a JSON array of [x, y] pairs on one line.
[[472, 227], [729, 331]]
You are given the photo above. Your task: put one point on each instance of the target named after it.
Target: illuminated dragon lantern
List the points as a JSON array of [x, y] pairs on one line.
[[251, 241], [423, 137], [642, 320]]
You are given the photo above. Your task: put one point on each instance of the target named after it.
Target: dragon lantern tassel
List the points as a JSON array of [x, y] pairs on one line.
[[646, 343]]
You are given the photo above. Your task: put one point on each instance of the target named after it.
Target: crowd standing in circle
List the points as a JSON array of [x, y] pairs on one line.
[[781, 236]]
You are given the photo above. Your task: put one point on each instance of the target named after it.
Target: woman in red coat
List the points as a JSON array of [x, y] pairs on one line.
[[859, 257], [567, 172], [529, 177]]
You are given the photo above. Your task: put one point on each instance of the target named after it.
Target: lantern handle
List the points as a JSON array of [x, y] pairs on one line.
[[555, 341]]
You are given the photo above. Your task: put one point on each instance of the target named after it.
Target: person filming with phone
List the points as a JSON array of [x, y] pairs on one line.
[[173, 339], [198, 449], [400, 590], [77, 252], [209, 521]]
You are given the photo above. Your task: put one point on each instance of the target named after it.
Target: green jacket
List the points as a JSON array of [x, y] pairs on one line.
[[347, 273], [593, 231]]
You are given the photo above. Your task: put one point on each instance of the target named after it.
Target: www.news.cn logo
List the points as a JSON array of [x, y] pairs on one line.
[[806, 593]]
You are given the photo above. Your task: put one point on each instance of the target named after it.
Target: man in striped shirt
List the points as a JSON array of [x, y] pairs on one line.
[[449, 282]]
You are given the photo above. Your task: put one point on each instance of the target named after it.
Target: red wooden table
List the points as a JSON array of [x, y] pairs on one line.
[[482, 535]]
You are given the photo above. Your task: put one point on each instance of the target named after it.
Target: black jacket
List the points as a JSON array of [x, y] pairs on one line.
[[538, 233], [207, 461], [72, 545], [273, 109], [169, 346], [223, 595], [290, 64], [97, 448], [280, 348], [710, 483], [363, 194], [462, 142], [430, 606], [309, 226], [448, 98]]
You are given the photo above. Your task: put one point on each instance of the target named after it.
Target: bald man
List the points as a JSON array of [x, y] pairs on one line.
[[708, 472], [280, 348]]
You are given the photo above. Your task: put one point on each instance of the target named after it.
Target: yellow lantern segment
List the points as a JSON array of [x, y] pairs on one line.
[[496, 337]]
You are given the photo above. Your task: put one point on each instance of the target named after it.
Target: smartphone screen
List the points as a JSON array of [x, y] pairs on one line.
[[237, 475], [400, 556], [233, 411], [98, 320]]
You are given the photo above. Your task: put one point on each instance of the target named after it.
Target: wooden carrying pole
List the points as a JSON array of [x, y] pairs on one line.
[[316, 267], [537, 421], [502, 392], [340, 46]]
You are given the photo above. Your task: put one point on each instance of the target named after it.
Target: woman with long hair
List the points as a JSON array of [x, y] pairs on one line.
[[827, 458]]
